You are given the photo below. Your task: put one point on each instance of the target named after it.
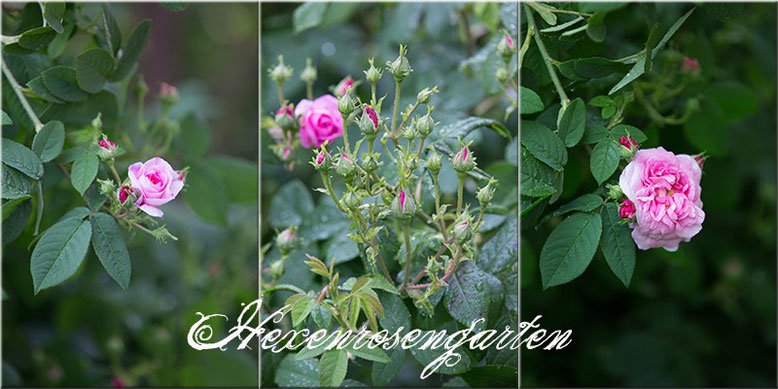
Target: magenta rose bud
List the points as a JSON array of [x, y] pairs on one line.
[[506, 48], [403, 206], [168, 93], [107, 144], [628, 147], [106, 150], [627, 209], [665, 190], [369, 122], [117, 382], [700, 160], [320, 121], [156, 183], [124, 194], [463, 231], [343, 86], [690, 66], [463, 161]]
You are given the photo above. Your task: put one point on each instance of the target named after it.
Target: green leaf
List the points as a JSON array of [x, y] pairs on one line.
[[537, 178], [308, 15], [375, 355], [425, 357], [48, 142], [93, 67], [595, 27], [723, 11], [15, 184], [569, 249], [499, 254], [473, 294], [108, 243], [543, 144], [290, 206], [617, 244], [79, 213], [6, 120], [341, 249], [302, 308], [195, 137], [321, 346], [599, 6], [132, 50], [59, 253], [496, 376], [383, 373], [626, 130], [707, 129], [736, 100], [53, 13], [544, 11], [572, 122], [530, 101], [175, 6], [462, 128], [39, 88], [396, 314], [94, 198], [640, 65], [62, 82], [654, 36], [57, 46], [592, 67], [38, 38], [294, 373], [585, 203], [84, 170], [240, 176], [332, 368], [23, 159], [206, 192], [321, 316], [14, 224], [113, 35], [604, 160]]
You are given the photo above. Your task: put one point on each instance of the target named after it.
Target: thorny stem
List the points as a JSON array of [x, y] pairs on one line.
[[448, 274], [375, 247], [394, 113], [407, 236], [309, 90], [547, 58], [328, 184], [525, 45], [23, 100], [115, 173], [280, 94], [460, 193], [424, 271]]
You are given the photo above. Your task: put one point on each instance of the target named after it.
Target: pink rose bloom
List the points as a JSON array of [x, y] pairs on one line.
[[156, 183], [665, 189], [320, 120]]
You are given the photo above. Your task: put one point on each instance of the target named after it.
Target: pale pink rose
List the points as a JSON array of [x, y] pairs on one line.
[[665, 189], [320, 120], [156, 183]]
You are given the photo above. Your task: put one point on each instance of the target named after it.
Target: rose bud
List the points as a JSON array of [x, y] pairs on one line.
[[400, 68], [700, 159], [343, 86], [106, 149], [106, 186], [97, 122], [168, 94], [126, 193], [506, 48], [141, 88], [346, 105], [486, 193], [287, 240], [369, 162], [403, 207], [463, 231], [117, 382], [351, 200], [369, 122], [372, 74], [434, 162], [277, 268], [322, 161], [690, 66], [628, 147], [345, 166], [463, 161], [284, 118], [627, 209], [309, 73], [425, 125], [501, 74], [425, 94], [281, 72], [614, 191]]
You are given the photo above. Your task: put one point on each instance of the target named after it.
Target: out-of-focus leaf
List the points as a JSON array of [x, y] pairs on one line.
[[308, 15]]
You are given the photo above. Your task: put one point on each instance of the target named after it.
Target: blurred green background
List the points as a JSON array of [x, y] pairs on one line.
[[705, 315], [451, 45], [89, 332]]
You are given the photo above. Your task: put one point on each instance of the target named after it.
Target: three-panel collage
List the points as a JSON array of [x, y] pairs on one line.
[[388, 194]]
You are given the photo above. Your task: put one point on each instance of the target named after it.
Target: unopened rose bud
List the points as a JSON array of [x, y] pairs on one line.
[[125, 193], [168, 94], [425, 94], [345, 166], [322, 161], [690, 66], [700, 159], [97, 122], [284, 118], [141, 88], [277, 268], [351, 200], [486, 194], [410, 163], [372, 74], [400, 68], [463, 231], [287, 240], [403, 207], [614, 191], [506, 48], [463, 161], [369, 122], [425, 125], [106, 186], [281, 72], [346, 105], [343, 87], [309, 73], [106, 149], [627, 209], [434, 163], [501, 74], [411, 132], [628, 147], [369, 163]]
